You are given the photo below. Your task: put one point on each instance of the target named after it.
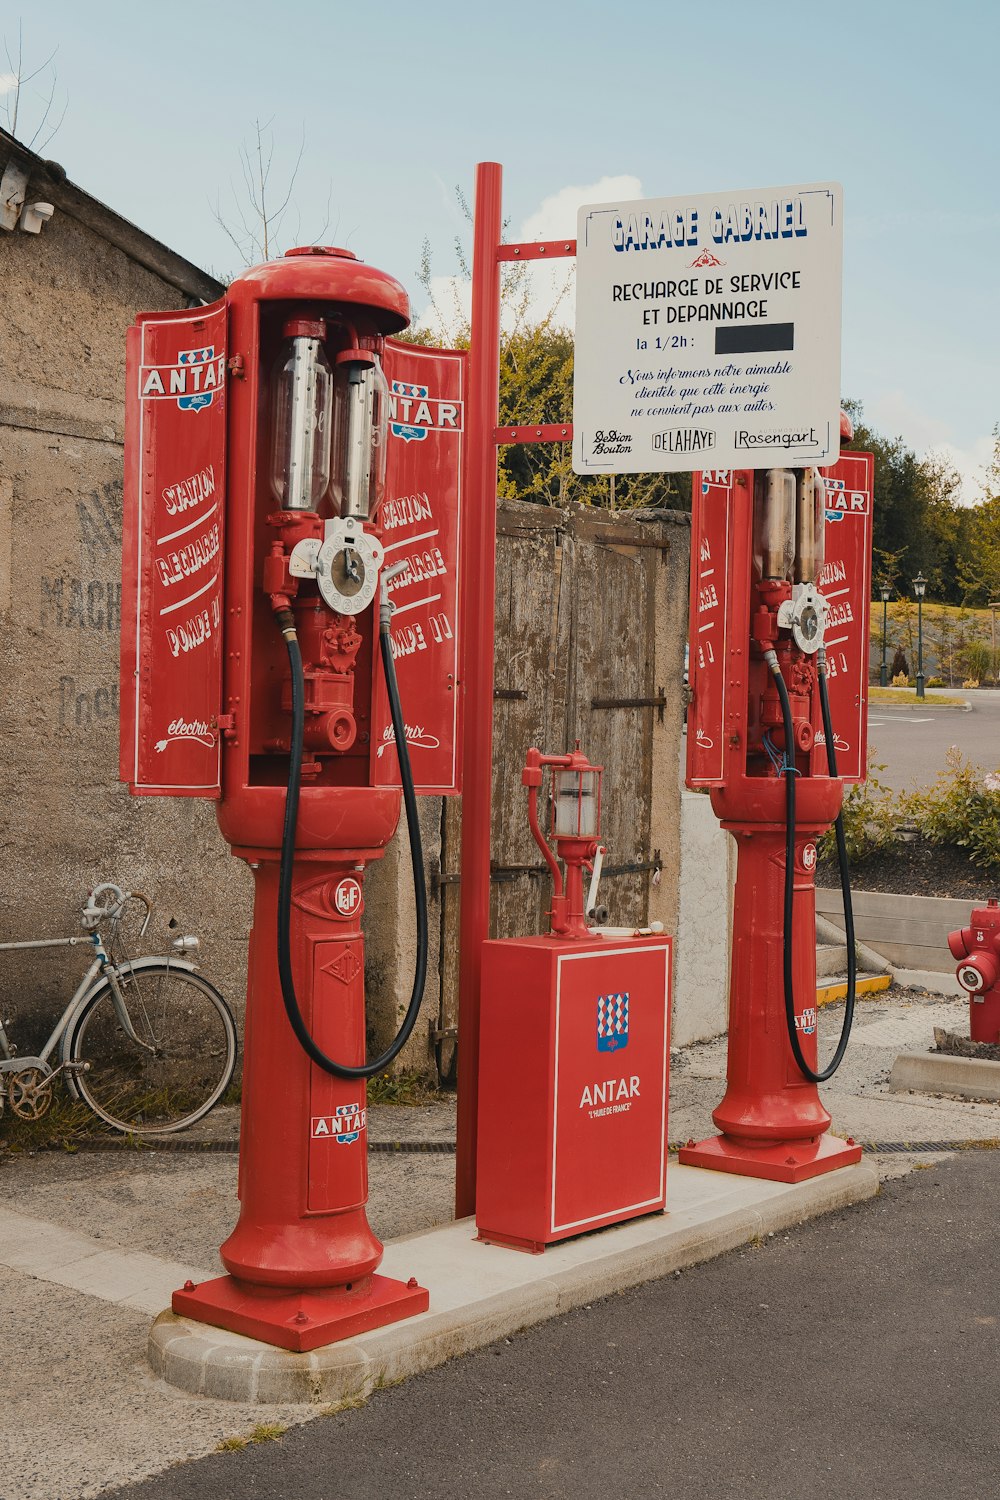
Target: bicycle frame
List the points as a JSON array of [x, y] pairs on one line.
[[103, 966], [10, 1061]]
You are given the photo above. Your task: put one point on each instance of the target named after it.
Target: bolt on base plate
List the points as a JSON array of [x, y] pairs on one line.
[[786, 1161], [301, 1320]]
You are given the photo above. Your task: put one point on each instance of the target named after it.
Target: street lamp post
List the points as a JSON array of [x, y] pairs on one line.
[[919, 587], [885, 591]]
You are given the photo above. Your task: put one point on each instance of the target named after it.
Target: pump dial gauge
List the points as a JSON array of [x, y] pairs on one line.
[[347, 567], [804, 614]]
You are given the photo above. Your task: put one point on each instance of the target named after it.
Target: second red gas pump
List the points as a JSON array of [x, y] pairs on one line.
[[779, 613]]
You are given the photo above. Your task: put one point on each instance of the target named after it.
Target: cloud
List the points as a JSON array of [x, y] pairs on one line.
[[894, 414], [8, 81], [548, 289]]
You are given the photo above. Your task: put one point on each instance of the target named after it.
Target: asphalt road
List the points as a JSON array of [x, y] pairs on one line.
[[856, 1356], [913, 743]]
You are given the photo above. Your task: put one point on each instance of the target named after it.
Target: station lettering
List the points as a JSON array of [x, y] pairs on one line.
[[187, 493], [405, 510]]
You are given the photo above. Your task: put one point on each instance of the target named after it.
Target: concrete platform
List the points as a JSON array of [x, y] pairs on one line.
[[939, 1073], [483, 1292]]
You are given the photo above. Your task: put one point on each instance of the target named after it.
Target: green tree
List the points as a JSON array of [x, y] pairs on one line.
[[918, 522], [978, 566]]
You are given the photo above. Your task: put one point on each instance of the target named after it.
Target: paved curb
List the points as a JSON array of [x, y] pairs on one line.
[[480, 1293], [834, 987], [938, 1073]]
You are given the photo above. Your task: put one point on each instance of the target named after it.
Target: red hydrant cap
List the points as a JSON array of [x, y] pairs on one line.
[[978, 974], [960, 942]]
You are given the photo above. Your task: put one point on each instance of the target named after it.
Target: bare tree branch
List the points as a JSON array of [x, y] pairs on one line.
[[13, 107], [259, 208]]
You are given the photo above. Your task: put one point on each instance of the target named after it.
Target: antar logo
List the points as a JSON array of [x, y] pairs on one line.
[[343, 1127], [192, 382], [612, 1022], [413, 413]]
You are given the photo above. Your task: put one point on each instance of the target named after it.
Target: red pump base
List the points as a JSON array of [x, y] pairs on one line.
[[791, 1161], [773, 1123], [301, 1320]]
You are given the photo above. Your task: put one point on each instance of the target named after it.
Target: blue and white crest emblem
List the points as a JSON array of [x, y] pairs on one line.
[[197, 399], [410, 432], [349, 1115], [612, 1022]]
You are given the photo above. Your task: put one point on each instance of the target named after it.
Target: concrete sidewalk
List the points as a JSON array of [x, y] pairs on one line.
[[94, 1243]]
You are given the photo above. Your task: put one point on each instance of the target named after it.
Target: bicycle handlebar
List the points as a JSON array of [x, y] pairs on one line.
[[96, 910]]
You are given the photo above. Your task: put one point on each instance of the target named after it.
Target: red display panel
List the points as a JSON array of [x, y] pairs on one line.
[[573, 1127], [420, 520], [172, 541], [721, 524], [845, 583], [609, 1138], [711, 625]]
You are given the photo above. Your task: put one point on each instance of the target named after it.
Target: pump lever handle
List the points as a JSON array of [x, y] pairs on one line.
[[595, 878]]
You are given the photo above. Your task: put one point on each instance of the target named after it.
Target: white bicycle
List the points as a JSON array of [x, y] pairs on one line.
[[146, 1042]]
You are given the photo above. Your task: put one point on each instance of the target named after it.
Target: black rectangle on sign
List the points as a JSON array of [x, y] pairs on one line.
[[755, 338]]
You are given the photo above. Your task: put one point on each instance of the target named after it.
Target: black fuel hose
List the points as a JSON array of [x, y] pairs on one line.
[[308, 1043], [790, 774]]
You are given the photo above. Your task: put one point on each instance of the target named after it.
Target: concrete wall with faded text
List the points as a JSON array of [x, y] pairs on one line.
[[68, 297]]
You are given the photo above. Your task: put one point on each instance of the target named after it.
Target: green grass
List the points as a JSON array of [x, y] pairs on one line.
[[404, 1088], [67, 1122], [264, 1432]]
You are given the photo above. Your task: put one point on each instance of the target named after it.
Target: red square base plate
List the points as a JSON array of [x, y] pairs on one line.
[[301, 1320], [791, 1161]]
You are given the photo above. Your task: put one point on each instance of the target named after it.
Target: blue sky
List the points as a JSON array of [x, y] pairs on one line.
[[397, 102]]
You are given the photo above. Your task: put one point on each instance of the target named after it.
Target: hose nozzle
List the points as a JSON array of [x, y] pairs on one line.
[[385, 604]]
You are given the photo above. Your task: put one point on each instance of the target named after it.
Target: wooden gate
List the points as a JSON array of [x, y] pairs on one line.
[[580, 595]]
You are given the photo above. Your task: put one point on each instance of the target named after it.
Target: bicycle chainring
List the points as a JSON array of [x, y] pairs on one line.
[[29, 1093]]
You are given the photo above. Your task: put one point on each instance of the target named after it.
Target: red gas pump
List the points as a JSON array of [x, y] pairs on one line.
[[574, 1037], [259, 432], [778, 631], [977, 947]]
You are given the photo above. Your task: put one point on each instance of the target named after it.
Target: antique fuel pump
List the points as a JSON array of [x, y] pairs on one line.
[[574, 1046], [780, 585], [293, 552]]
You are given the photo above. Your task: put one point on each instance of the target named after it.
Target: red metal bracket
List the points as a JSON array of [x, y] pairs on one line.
[[552, 432], [543, 250]]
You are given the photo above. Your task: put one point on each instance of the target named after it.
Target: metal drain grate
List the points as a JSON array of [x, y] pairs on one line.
[[447, 1148], [231, 1148]]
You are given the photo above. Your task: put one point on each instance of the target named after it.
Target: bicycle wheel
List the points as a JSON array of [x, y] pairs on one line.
[[184, 1063]]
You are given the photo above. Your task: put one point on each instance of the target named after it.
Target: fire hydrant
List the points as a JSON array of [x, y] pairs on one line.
[[977, 947]]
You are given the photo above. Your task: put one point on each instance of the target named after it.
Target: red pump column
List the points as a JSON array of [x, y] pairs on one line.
[[302, 1258]]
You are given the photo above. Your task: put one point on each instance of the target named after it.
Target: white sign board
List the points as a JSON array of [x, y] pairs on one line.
[[708, 332]]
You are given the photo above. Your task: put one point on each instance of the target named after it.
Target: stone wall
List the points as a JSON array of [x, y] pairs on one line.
[[69, 297]]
